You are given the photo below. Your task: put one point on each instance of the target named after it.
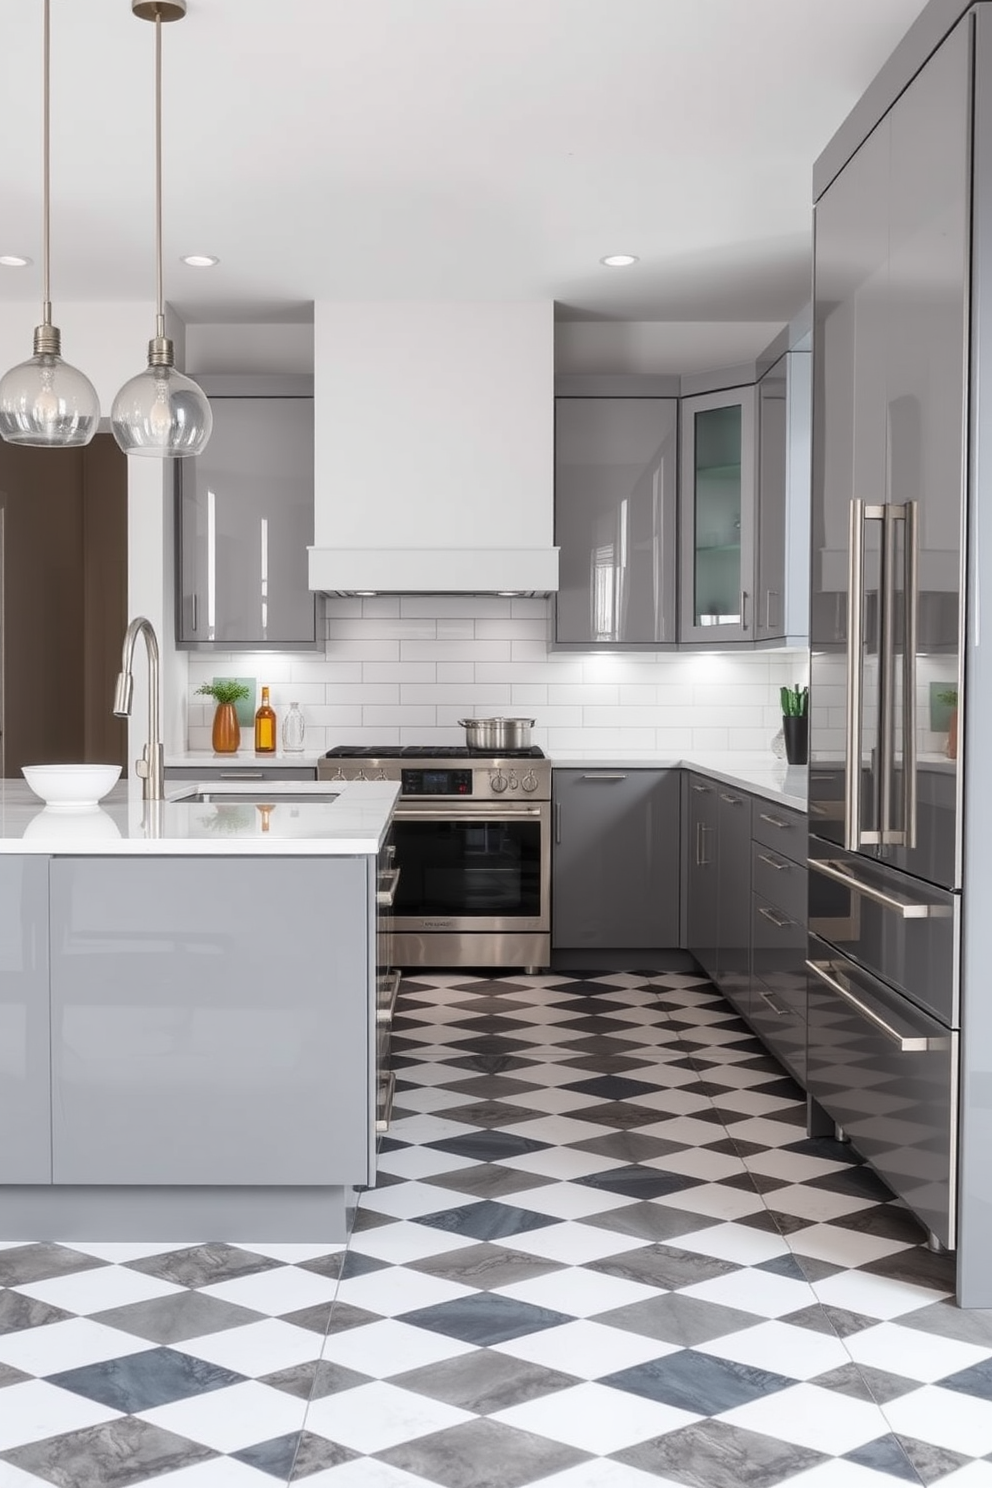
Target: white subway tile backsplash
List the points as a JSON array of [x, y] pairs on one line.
[[404, 669]]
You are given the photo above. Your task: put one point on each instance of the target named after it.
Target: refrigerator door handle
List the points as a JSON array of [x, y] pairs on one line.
[[904, 908], [910, 641], [887, 674], [855, 635], [907, 1044]]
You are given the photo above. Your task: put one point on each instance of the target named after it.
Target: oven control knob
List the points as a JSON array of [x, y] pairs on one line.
[[498, 782], [529, 781], [513, 782], [340, 775], [379, 775], [360, 776]]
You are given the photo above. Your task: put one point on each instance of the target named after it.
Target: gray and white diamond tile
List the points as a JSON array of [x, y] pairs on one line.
[[603, 1255]]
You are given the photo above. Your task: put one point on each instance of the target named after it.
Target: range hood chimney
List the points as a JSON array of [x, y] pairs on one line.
[[434, 448]]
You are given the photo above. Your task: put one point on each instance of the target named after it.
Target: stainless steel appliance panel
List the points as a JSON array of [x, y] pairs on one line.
[[891, 307], [887, 1074], [898, 927], [471, 949]]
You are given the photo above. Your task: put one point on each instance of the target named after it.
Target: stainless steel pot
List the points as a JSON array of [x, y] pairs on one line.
[[497, 734]]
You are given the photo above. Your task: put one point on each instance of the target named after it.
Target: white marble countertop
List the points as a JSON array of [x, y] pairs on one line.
[[244, 759], [354, 821], [758, 772]]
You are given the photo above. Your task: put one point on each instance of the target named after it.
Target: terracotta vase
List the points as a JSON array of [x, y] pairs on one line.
[[226, 733]]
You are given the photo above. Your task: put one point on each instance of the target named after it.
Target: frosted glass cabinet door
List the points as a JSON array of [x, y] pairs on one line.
[[718, 486], [615, 504], [246, 517], [25, 1084]]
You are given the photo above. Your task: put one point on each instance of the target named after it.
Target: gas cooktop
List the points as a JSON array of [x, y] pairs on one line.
[[429, 751]]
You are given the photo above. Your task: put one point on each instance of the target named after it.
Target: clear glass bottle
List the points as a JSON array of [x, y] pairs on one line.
[[293, 730], [265, 726]]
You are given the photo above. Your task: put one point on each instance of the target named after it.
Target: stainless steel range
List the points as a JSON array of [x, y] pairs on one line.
[[473, 845]]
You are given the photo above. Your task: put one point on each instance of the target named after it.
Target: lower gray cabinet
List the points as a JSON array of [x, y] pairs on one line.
[[25, 1085], [212, 1021], [615, 866], [702, 817], [733, 941]]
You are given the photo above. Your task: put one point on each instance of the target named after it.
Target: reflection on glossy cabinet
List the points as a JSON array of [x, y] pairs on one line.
[[212, 1021], [616, 493], [245, 514], [25, 1082]]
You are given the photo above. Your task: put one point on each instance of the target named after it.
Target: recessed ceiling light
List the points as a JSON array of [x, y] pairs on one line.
[[13, 261], [619, 260], [199, 260]]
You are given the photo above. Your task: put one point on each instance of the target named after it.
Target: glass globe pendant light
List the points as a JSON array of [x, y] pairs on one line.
[[160, 412], [44, 401]]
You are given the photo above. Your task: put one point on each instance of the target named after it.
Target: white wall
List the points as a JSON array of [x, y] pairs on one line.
[[403, 670], [109, 342]]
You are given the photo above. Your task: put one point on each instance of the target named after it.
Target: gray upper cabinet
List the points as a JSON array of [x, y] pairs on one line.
[[615, 873], [245, 515], [717, 517], [773, 430], [616, 494]]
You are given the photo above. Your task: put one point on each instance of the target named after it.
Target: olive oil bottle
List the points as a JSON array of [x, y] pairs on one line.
[[265, 726]]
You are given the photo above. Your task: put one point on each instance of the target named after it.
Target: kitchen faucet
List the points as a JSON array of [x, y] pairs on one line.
[[150, 766]]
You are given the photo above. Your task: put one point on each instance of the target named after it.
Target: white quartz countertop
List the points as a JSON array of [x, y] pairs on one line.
[[244, 759], [760, 773], [354, 821]]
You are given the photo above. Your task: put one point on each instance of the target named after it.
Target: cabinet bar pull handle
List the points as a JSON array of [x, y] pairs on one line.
[[767, 997], [774, 821], [193, 608], [768, 614], [905, 909], [731, 800], [384, 1102], [242, 775], [778, 921], [604, 777], [558, 822], [386, 895], [774, 863], [919, 1044], [744, 600], [704, 790]]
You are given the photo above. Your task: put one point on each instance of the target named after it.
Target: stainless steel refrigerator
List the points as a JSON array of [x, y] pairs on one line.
[[893, 227]]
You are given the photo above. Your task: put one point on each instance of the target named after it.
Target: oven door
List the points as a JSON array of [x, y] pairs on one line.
[[472, 865]]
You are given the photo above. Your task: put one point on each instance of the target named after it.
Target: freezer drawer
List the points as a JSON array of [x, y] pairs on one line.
[[887, 1073], [895, 926]]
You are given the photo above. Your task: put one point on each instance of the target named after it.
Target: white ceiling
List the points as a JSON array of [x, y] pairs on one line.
[[426, 149]]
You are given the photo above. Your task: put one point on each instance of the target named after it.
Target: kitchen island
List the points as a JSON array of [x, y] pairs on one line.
[[188, 1011]]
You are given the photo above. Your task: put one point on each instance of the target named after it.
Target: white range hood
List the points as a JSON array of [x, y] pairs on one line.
[[434, 448]]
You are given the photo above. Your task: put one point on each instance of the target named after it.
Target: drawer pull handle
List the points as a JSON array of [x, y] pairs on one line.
[[604, 777], [242, 775], [387, 986], [779, 922], [774, 863], [384, 1102], [918, 1044], [387, 894], [775, 821], [905, 909], [778, 1011], [731, 800], [703, 790]]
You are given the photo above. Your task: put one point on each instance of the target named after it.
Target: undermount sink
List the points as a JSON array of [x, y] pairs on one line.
[[257, 797]]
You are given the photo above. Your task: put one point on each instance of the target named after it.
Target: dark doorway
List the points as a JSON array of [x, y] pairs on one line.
[[63, 603]]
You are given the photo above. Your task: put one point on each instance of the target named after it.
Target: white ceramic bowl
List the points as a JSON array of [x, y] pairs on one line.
[[71, 787]]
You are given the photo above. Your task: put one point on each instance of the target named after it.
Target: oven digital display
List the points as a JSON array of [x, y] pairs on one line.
[[436, 782]]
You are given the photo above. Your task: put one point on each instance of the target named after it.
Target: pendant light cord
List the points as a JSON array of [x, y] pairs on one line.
[[159, 294], [46, 290]]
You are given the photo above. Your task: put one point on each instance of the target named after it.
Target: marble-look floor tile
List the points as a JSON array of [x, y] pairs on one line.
[[483, 1454], [117, 1454], [36, 1410], [713, 1454], [484, 1381]]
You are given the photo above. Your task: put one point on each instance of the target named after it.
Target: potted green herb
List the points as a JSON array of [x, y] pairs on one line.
[[226, 733], [949, 697], [795, 723]]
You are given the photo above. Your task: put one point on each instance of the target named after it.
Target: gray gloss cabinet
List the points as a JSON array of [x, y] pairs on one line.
[[25, 1086], [616, 494], [212, 1021], [733, 943], [615, 866], [245, 519], [717, 516], [702, 841]]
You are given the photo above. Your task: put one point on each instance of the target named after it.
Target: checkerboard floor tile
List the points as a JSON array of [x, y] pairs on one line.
[[603, 1253]]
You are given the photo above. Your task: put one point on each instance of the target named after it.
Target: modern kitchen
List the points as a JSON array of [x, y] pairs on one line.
[[492, 962]]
